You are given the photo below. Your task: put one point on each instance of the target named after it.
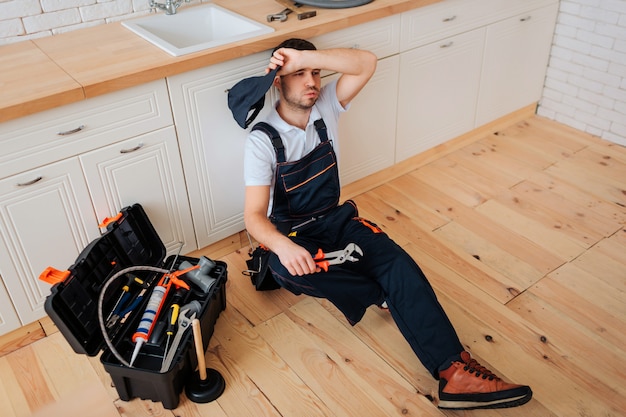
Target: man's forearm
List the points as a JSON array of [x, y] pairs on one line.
[[259, 226], [355, 66], [341, 60], [295, 258]]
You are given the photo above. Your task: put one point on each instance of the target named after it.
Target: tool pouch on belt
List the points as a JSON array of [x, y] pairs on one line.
[[259, 271]]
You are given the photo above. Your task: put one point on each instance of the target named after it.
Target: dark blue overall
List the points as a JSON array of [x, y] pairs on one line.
[[305, 206]]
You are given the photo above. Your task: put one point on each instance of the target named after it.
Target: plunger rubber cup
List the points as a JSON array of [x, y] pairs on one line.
[[207, 384], [205, 390]]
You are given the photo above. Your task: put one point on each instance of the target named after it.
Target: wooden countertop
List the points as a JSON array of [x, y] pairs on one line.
[[31, 82], [48, 72]]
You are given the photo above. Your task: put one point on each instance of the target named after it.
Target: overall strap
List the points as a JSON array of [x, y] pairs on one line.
[[277, 142], [322, 132], [274, 136]]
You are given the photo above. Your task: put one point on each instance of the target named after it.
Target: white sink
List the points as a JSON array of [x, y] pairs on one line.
[[194, 29]]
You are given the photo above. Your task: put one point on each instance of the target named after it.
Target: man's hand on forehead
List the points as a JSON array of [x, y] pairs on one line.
[[291, 60]]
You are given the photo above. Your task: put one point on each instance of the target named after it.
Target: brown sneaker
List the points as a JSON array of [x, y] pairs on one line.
[[467, 385]]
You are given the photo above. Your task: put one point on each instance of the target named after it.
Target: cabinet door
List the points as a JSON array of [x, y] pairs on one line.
[[8, 316], [211, 144], [515, 62], [145, 170], [437, 92], [367, 131], [46, 219]]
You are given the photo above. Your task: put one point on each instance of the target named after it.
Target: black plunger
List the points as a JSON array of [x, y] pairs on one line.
[[206, 384]]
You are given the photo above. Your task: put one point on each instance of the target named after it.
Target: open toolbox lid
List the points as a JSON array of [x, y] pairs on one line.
[[130, 240]]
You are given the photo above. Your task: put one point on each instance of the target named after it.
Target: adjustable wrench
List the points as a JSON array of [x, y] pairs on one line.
[[324, 260], [185, 317], [301, 11], [281, 17]]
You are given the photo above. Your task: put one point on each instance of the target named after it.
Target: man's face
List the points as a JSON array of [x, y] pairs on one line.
[[300, 90]]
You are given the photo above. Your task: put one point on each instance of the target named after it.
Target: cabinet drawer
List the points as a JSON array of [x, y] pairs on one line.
[[450, 17], [382, 37], [66, 131]]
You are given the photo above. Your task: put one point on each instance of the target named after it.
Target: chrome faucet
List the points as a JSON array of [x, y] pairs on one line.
[[169, 6]]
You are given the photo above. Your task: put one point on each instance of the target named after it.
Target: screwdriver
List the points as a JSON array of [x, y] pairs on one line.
[[172, 319], [125, 292]]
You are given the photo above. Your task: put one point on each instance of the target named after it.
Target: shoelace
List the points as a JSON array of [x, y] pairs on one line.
[[473, 366]]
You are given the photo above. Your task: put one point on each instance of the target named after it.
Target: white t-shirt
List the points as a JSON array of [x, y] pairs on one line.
[[259, 154]]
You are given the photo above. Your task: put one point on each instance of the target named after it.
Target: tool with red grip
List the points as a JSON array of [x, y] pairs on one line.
[[324, 260], [155, 303]]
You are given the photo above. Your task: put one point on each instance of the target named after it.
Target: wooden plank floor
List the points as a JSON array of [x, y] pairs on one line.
[[522, 234]]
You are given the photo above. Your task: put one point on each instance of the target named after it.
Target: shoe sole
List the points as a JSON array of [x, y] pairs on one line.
[[473, 405]]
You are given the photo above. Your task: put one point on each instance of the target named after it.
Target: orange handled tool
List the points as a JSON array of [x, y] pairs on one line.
[[151, 313], [324, 260]]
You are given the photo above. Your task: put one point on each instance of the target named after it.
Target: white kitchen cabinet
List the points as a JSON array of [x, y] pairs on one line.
[[46, 219], [381, 37], [47, 216], [70, 130], [515, 62], [211, 144], [367, 131], [446, 18], [465, 63], [437, 92], [145, 169], [9, 320], [441, 20]]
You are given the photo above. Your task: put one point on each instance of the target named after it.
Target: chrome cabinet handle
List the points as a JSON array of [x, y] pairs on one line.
[[449, 19], [446, 45], [525, 19], [69, 132], [136, 148], [31, 182]]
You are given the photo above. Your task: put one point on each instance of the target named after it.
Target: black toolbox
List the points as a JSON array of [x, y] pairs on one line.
[[131, 240]]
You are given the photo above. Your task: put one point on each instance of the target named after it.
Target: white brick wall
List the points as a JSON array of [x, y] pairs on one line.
[[28, 19], [586, 80]]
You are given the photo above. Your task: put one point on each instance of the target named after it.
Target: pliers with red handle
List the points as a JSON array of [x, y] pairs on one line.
[[324, 260]]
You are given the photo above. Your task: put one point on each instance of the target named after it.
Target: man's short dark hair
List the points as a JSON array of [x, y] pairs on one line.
[[295, 43]]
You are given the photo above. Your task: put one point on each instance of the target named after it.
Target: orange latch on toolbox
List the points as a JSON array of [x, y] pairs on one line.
[[109, 220], [53, 276]]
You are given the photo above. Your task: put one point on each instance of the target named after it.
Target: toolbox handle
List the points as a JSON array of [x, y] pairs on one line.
[[109, 220], [53, 276]]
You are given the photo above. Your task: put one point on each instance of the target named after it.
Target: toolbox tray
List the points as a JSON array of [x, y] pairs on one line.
[[130, 240]]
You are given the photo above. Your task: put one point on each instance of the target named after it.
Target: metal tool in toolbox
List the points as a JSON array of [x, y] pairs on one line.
[[172, 317], [324, 260], [187, 314], [199, 276]]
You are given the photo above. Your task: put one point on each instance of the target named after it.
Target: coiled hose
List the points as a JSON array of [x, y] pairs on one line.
[[103, 329]]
